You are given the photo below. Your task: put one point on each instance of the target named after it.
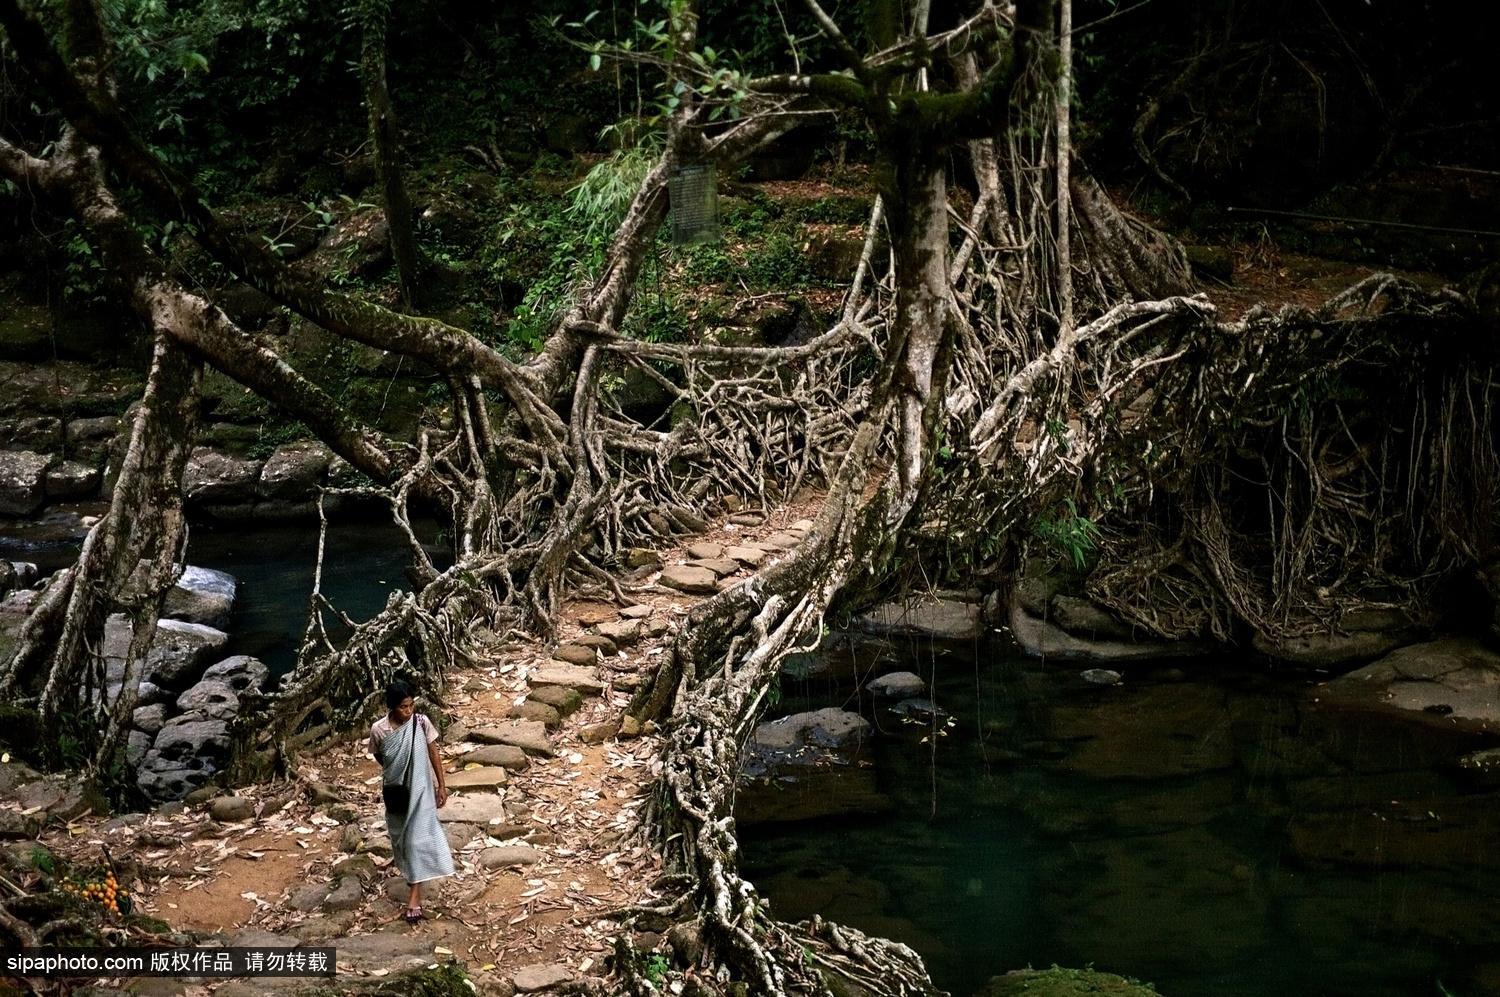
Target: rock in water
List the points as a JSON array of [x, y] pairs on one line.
[[202, 595], [1101, 676], [897, 685]]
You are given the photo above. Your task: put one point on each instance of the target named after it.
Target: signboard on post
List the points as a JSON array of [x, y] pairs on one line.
[[693, 193]]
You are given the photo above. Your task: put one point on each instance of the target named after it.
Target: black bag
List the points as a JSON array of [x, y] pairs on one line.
[[397, 796]]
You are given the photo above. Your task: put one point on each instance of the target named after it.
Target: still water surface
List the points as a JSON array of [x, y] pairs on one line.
[[1212, 830]]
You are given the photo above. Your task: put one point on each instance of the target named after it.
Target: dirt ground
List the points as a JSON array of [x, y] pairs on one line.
[[578, 810]]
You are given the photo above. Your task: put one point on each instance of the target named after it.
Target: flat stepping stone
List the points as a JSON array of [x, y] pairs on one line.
[[529, 979], [576, 654], [636, 612], [561, 698], [600, 641], [528, 735], [501, 856], [585, 680], [802, 524], [748, 556], [474, 808], [782, 541], [703, 550], [386, 949], [506, 756], [484, 777], [690, 578], [748, 518], [720, 566], [622, 633]]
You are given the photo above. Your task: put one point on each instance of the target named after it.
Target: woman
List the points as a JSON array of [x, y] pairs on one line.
[[405, 744]]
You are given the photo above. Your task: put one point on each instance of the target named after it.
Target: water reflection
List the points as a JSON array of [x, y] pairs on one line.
[[1220, 837]]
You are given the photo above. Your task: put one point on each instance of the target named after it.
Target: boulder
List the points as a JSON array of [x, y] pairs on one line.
[[59, 799], [308, 897], [231, 809], [561, 698], [533, 710], [1041, 639], [212, 699], [240, 672], [1457, 677], [348, 894], [212, 476], [897, 685], [72, 480], [927, 616], [829, 728], [177, 654], [137, 743], [23, 481], [1101, 676], [576, 654], [18, 827], [690, 579], [606, 647], [459, 835], [1086, 618], [202, 595], [294, 471], [1329, 649], [149, 719]]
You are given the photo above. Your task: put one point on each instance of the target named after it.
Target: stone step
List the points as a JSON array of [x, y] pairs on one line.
[[484, 777], [528, 735], [749, 556], [622, 633], [576, 654], [561, 698], [506, 756], [690, 579], [474, 808], [720, 566], [585, 680], [704, 550]]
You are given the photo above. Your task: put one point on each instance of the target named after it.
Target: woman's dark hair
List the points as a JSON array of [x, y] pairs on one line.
[[396, 693]]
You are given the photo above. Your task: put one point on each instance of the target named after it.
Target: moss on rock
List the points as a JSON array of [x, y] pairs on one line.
[[1059, 982]]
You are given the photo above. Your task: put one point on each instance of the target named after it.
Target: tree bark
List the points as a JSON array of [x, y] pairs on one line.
[[385, 147]]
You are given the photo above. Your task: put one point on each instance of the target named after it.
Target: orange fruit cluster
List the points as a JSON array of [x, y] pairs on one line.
[[106, 892]]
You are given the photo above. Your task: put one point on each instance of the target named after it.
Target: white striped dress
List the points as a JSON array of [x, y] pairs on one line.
[[417, 841]]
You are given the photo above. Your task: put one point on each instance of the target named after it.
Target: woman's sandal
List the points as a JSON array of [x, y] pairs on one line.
[[413, 915]]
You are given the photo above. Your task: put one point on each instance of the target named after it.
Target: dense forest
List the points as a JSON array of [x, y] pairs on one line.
[[1180, 313]]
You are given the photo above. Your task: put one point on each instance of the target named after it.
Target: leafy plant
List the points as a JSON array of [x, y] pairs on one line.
[[1074, 537], [656, 968]]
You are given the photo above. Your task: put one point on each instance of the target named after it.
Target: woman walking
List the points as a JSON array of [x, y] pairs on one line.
[[404, 742]]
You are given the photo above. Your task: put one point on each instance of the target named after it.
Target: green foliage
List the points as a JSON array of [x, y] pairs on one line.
[[1073, 537], [656, 968]]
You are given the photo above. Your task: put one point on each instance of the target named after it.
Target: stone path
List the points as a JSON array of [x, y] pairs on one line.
[[544, 796]]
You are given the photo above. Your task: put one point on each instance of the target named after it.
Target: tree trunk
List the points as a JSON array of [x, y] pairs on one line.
[[385, 146]]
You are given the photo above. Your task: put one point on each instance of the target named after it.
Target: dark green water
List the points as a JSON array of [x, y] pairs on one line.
[[364, 562], [1223, 837]]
